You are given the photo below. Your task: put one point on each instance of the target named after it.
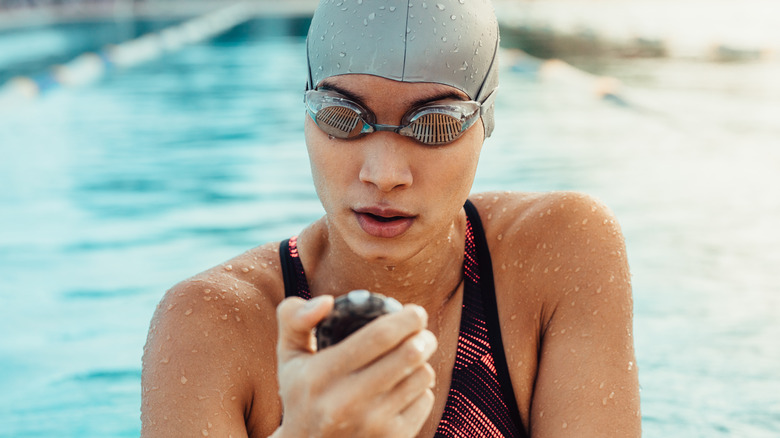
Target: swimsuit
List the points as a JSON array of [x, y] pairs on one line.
[[481, 402]]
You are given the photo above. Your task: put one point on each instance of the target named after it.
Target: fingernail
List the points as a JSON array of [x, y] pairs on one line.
[[424, 342], [420, 311]]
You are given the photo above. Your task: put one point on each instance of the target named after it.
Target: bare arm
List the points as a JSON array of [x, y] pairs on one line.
[[195, 380], [587, 381]]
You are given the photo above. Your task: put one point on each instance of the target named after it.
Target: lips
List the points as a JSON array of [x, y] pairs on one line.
[[383, 222]]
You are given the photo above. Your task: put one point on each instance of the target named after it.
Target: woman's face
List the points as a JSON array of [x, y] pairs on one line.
[[385, 195]]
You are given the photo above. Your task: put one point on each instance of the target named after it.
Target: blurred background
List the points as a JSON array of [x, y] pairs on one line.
[[144, 141]]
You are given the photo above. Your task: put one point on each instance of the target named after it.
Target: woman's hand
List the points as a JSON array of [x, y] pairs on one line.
[[375, 383]]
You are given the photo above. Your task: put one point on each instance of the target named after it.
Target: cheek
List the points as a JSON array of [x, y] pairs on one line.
[[327, 160]]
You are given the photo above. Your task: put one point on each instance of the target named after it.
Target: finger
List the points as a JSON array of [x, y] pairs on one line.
[[387, 372], [379, 337], [409, 389], [412, 418], [297, 318]]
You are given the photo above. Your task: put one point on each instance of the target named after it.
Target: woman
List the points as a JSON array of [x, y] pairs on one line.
[[518, 312]]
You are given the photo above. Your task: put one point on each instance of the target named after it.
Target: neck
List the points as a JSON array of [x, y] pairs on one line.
[[429, 277]]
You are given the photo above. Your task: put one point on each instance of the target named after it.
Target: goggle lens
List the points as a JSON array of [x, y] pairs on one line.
[[339, 121], [436, 128], [432, 124]]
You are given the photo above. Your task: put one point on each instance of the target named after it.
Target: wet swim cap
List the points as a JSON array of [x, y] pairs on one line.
[[451, 42]]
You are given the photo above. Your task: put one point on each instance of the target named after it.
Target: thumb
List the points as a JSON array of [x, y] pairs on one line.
[[297, 319]]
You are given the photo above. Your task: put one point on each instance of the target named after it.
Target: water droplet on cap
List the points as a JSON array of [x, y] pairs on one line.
[[440, 6]]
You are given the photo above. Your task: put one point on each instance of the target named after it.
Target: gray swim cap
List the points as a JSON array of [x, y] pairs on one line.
[[451, 42]]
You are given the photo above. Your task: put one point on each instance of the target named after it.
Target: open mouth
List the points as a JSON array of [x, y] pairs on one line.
[[385, 219], [380, 223]]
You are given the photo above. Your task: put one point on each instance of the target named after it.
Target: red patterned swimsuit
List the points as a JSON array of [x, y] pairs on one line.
[[481, 402]]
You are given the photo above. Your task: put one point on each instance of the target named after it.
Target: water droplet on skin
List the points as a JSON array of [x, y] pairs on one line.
[[630, 366], [224, 317], [171, 306], [165, 360], [229, 268], [390, 268], [500, 236], [205, 432], [188, 312], [514, 317], [564, 426], [602, 385], [183, 380]]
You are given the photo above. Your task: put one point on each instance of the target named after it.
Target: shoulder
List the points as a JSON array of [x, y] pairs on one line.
[[553, 245], [228, 295], [564, 300], [562, 227], [209, 334]]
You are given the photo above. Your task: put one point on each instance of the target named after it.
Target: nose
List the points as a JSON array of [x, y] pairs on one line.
[[386, 163]]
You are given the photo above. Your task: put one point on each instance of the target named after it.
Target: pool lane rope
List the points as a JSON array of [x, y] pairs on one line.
[[91, 66]]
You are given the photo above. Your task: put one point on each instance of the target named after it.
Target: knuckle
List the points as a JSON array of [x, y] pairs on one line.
[[384, 336], [428, 374]]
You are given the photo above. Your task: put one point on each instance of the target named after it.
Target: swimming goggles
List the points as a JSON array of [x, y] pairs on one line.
[[434, 123]]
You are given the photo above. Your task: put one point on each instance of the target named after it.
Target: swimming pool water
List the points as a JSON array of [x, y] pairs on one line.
[[113, 192]]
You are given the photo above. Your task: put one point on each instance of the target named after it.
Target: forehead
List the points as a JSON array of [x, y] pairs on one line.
[[375, 88]]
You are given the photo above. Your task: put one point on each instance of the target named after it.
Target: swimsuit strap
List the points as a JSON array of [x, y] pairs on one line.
[[295, 284], [481, 401]]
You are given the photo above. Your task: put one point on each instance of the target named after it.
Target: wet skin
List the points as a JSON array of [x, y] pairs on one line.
[[219, 352]]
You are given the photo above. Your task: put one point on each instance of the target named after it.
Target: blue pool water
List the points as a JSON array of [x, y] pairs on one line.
[[111, 193]]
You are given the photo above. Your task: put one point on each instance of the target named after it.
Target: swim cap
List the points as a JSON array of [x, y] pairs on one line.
[[451, 42]]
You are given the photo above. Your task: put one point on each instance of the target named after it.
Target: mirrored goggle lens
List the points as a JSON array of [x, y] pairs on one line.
[[434, 128], [339, 121]]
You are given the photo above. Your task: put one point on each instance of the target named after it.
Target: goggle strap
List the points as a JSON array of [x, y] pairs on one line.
[[488, 102]]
